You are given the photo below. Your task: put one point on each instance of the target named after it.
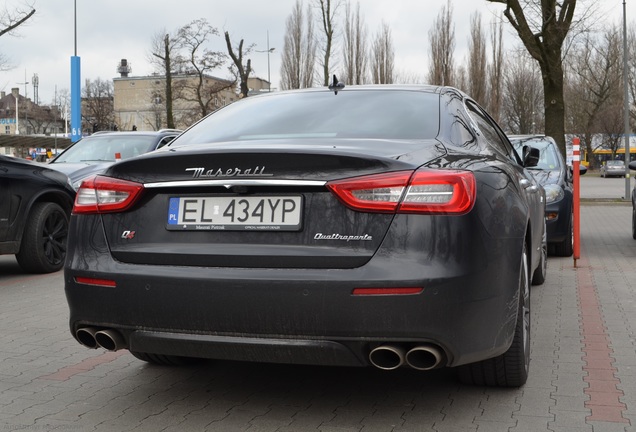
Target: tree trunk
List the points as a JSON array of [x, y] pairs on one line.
[[554, 105], [168, 65]]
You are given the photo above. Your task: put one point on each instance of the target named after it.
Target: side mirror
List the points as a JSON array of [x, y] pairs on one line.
[[582, 169], [531, 156], [632, 165]]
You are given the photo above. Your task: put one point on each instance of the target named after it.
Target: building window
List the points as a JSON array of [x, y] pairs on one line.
[[7, 130]]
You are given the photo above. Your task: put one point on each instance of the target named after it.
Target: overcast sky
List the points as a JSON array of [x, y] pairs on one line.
[[111, 30]]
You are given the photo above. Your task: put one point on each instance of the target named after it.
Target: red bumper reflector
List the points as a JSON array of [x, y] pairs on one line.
[[387, 291], [96, 282]]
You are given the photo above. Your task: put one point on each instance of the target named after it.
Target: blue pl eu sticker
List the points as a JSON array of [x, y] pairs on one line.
[[173, 211]]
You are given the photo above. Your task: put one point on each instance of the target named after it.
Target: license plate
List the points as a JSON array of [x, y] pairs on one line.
[[257, 213]]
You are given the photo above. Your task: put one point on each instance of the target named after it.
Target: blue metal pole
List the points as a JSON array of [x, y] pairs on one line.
[[76, 100], [76, 86]]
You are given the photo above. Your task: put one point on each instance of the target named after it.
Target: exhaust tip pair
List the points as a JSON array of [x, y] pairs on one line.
[[420, 357], [108, 339]]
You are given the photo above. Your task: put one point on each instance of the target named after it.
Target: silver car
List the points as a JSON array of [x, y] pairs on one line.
[[613, 168]]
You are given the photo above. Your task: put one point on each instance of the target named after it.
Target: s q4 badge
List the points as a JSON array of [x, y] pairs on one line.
[[128, 235]]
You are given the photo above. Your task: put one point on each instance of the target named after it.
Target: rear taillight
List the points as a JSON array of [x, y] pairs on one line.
[[425, 191], [101, 194]]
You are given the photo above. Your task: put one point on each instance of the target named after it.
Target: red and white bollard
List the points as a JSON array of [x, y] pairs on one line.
[[576, 161]]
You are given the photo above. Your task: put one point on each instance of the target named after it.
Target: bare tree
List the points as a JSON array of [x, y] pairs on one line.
[[355, 46], [10, 20], [522, 91], [403, 76], [610, 124], [495, 71], [198, 88], [631, 81], [383, 56], [242, 70], [299, 50], [460, 78], [166, 60], [97, 104], [596, 82], [478, 62], [543, 27], [442, 39], [41, 119], [328, 11]]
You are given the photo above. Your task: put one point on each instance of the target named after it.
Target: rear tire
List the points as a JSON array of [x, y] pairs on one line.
[[509, 369], [43, 247], [164, 360]]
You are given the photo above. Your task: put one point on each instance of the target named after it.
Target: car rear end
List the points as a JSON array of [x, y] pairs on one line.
[[351, 252]]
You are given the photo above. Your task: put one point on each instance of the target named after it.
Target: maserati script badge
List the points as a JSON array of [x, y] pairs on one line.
[[201, 172]]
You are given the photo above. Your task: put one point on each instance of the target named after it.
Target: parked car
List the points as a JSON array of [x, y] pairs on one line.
[[376, 225], [556, 178], [35, 206], [94, 153], [613, 168]]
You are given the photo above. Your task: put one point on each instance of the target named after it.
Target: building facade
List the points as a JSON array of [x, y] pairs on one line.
[[139, 102]]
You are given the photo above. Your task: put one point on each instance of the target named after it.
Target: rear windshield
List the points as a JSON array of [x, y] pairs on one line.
[[106, 148], [615, 162], [375, 114]]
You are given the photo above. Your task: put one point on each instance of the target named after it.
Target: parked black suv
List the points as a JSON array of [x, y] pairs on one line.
[[94, 153], [35, 206], [556, 178]]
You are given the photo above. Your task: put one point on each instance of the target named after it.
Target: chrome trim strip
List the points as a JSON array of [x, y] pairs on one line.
[[228, 183]]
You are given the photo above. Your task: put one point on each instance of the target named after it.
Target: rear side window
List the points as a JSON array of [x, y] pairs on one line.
[[379, 114], [490, 131]]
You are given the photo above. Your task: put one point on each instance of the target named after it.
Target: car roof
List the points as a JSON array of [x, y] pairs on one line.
[[427, 88], [126, 133], [527, 136]]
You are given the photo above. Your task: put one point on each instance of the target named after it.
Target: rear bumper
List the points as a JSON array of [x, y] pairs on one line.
[[303, 316], [558, 228]]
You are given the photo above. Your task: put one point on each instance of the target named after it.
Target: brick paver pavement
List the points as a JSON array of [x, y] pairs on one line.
[[582, 378]]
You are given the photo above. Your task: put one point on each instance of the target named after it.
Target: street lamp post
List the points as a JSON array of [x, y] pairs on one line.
[[268, 51], [626, 104]]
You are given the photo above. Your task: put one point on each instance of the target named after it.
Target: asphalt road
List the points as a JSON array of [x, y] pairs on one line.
[[595, 187], [582, 378]]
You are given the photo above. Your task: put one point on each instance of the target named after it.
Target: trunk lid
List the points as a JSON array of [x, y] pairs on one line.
[[255, 204]]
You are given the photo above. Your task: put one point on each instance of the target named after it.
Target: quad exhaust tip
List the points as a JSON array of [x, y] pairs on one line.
[[420, 357], [387, 357], [86, 337], [424, 357], [108, 339]]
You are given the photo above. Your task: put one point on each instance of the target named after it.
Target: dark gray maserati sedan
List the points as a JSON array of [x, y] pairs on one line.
[[385, 226]]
